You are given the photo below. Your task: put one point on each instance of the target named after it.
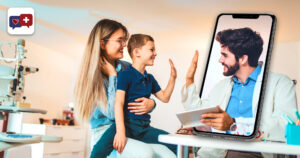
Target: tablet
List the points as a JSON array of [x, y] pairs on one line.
[[192, 118]]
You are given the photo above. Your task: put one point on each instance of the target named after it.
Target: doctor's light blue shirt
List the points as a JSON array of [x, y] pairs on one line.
[[240, 103]]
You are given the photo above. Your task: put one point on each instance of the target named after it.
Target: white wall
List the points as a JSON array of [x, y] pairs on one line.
[[51, 87]]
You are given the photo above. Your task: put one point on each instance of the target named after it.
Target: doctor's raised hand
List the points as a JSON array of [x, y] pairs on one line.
[[192, 69], [221, 120], [173, 70]]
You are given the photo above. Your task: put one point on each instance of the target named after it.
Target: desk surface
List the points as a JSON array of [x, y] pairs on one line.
[[21, 109], [200, 141], [4, 145], [44, 138]]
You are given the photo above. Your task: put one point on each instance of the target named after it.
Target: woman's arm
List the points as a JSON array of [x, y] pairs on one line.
[[109, 70], [141, 106], [164, 95], [120, 137], [111, 93]]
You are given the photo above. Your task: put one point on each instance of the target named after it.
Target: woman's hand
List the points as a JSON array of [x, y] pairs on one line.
[[141, 106], [119, 141], [192, 69], [107, 68], [173, 69]]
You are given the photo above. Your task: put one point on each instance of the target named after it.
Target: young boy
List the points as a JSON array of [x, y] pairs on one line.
[[134, 83]]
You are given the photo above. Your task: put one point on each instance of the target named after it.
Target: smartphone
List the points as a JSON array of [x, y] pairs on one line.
[[236, 71]]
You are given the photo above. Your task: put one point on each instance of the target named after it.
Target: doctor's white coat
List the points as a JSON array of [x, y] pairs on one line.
[[279, 98]]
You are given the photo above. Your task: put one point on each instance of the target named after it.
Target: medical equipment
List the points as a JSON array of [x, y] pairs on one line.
[[12, 74]]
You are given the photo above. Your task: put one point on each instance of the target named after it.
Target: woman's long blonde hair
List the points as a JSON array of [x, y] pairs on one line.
[[89, 89]]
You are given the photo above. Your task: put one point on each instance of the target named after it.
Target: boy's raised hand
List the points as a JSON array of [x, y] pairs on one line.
[[119, 142], [165, 95], [173, 69]]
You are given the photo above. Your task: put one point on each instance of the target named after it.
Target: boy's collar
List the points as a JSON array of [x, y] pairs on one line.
[[139, 74]]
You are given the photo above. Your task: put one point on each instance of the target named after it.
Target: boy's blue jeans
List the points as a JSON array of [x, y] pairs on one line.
[[135, 129]]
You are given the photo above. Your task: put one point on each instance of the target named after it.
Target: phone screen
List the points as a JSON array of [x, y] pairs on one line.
[[236, 70]]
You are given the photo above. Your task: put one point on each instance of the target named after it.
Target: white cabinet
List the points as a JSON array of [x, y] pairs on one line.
[[73, 144]]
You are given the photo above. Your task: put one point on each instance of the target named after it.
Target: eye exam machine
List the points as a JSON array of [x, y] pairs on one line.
[[12, 100]]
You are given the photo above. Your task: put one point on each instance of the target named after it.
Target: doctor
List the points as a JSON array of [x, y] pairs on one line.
[[236, 96]]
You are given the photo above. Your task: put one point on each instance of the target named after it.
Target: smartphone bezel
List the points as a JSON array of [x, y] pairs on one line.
[[265, 75]]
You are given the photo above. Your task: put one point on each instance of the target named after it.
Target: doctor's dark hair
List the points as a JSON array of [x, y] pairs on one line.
[[137, 41], [243, 41]]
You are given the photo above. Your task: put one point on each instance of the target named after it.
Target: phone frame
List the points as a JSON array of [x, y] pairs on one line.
[[265, 75]]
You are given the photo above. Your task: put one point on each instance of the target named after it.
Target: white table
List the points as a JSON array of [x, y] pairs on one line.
[[21, 109], [44, 138], [14, 120], [251, 146]]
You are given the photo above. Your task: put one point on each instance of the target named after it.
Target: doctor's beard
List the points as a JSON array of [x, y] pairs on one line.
[[231, 70]]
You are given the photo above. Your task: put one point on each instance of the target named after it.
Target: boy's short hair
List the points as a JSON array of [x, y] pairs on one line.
[[137, 41]]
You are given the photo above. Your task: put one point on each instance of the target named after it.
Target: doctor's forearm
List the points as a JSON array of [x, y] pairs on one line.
[[189, 82]]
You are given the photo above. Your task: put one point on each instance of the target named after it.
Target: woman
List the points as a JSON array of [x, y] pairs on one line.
[[96, 86]]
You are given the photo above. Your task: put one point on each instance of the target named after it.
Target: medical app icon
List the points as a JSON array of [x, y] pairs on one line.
[[20, 21]]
